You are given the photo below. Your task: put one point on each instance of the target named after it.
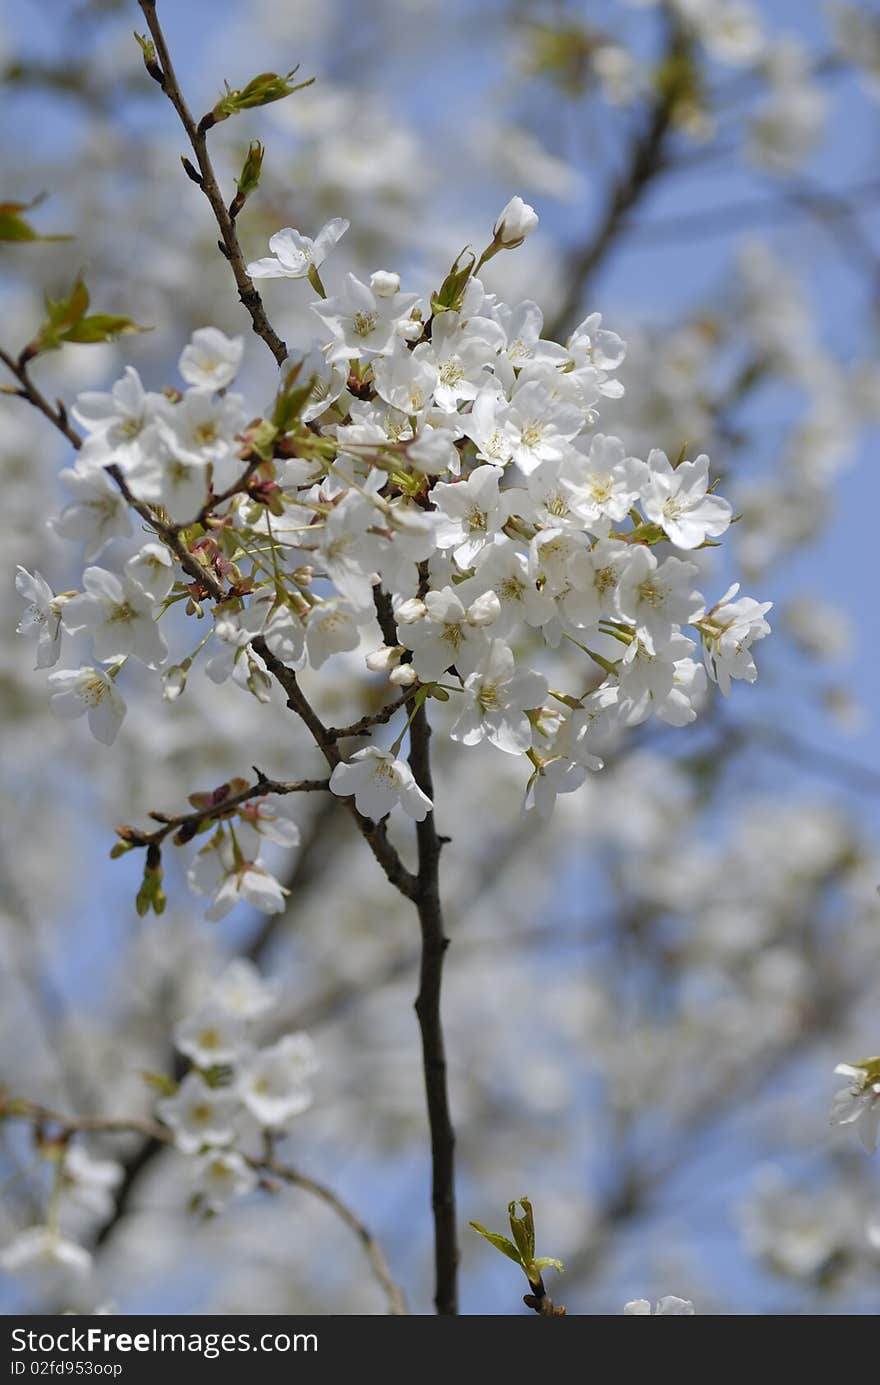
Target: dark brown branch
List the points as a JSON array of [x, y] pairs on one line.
[[366, 723], [43, 1116], [216, 811], [229, 243], [374, 833], [540, 1301], [434, 945], [27, 390]]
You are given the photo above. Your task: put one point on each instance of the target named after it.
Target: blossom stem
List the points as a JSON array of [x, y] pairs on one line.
[[599, 659]]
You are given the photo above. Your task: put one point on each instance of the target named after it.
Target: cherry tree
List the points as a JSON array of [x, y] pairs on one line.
[[455, 530]]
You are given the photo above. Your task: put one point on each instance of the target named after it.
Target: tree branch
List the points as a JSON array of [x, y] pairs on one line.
[[230, 246], [374, 833], [216, 811], [645, 159], [434, 945]]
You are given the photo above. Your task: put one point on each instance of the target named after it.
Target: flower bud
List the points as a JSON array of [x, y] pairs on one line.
[[410, 329], [386, 657], [304, 576], [384, 283], [485, 610], [258, 682], [174, 682], [408, 612], [403, 676], [517, 221]]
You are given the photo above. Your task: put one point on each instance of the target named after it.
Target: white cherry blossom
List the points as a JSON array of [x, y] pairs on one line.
[[211, 1036], [669, 1305], [96, 514], [199, 1115], [211, 360], [516, 221], [92, 693], [858, 1103], [42, 616], [496, 697], [363, 324], [448, 633], [274, 1083], [678, 499], [294, 255], [220, 1175], [118, 614], [378, 781]]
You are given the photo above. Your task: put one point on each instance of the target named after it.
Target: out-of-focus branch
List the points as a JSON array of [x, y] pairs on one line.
[[141, 1160], [810, 758], [69, 1126], [229, 243], [833, 207], [645, 159]]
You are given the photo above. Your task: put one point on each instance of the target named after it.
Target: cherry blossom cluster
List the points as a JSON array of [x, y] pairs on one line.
[[429, 487], [234, 1091]]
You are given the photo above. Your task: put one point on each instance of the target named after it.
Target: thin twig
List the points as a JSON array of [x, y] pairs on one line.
[[366, 723], [208, 182], [216, 811]]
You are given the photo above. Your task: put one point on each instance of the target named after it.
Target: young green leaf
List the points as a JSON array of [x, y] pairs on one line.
[[500, 1243], [260, 91], [14, 227], [67, 321]]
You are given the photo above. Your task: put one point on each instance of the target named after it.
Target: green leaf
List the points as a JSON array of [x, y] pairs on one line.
[[523, 1229], [260, 91], [500, 1243], [547, 1262], [103, 327], [14, 227], [291, 399], [647, 533], [449, 295], [66, 321], [249, 177]]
